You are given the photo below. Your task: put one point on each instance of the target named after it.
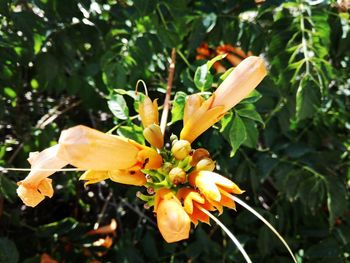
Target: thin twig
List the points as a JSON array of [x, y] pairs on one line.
[[166, 107]]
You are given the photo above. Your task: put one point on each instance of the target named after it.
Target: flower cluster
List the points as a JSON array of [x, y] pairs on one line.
[[180, 182]]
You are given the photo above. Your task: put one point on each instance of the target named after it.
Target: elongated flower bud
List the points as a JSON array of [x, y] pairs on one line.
[[242, 81], [148, 111], [154, 135]]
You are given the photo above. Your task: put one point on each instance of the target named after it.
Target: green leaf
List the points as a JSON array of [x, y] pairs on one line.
[[8, 251], [8, 188], [133, 132], [118, 107], [203, 79], [238, 134], [250, 113], [252, 133], [336, 199], [177, 110], [254, 96], [308, 99]]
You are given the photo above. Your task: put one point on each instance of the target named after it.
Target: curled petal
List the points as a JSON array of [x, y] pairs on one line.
[[93, 177], [87, 148], [32, 195], [241, 81], [212, 184], [189, 196]]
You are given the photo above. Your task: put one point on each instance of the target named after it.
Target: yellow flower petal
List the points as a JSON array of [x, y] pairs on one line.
[[206, 184], [127, 177], [45, 187], [87, 148], [241, 81], [29, 195], [93, 177]]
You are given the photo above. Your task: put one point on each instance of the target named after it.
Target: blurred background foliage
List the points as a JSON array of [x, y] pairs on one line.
[[67, 62]]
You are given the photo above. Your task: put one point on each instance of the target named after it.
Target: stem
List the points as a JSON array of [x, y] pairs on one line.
[[254, 212], [228, 232], [166, 105]]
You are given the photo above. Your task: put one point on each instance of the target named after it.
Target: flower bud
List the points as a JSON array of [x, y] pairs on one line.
[[154, 135], [192, 104], [177, 176], [205, 164], [148, 111], [198, 155], [181, 149]]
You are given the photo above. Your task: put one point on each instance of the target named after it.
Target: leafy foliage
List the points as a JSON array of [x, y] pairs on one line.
[[77, 62]]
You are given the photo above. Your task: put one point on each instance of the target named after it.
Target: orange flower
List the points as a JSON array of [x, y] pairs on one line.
[[104, 230], [173, 222], [199, 115], [215, 188], [88, 149], [191, 201], [46, 258]]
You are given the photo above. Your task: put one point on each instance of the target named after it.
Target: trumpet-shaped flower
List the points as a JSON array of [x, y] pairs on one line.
[[173, 222], [88, 149], [214, 187], [199, 115]]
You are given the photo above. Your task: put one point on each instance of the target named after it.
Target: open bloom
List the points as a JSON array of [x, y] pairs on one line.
[[199, 115], [173, 222], [215, 188], [88, 149]]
